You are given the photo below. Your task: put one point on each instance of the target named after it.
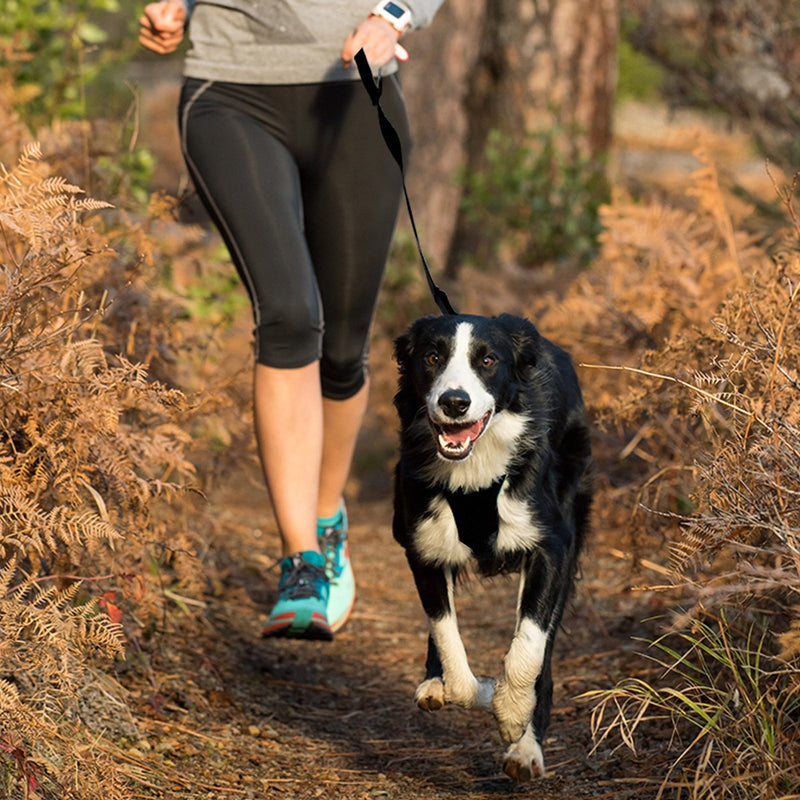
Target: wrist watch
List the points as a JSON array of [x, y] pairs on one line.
[[399, 17]]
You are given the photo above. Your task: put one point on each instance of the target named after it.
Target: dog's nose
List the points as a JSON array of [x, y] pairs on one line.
[[454, 402]]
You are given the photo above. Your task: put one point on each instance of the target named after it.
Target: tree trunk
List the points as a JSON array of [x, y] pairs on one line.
[[513, 65]]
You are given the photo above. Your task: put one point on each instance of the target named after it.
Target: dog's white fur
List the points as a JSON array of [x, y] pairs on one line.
[[437, 536], [514, 697], [518, 527]]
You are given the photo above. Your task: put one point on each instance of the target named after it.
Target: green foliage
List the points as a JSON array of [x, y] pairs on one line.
[[55, 51], [538, 197], [404, 293], [639, 77], [214, 296], [217, 299], [127, 172], [404, 267]]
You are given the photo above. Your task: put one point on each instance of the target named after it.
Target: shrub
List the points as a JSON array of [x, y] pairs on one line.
[[640, 77], [706, 401], [538, 199], [88, 445], [56, 51]]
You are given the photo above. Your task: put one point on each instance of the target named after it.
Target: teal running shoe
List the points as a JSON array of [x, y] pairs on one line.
[[300, 612], [332, 535]]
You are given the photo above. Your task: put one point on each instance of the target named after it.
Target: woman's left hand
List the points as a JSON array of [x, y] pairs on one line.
[[161, 25], [377, 38]]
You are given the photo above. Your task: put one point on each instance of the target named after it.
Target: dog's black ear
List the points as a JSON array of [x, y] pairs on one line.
[[403, 349], [403, 353], [526, 340], [404, 344]]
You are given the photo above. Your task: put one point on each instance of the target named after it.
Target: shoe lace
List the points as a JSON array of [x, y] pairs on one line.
[[329, 541], [303, 580]]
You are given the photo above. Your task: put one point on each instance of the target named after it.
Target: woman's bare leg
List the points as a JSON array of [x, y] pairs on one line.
[[288, 416], [341, 423], [306, 445]]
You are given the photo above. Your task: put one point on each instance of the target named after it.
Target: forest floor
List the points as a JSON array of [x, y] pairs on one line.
[[229, 715], [238, 716]]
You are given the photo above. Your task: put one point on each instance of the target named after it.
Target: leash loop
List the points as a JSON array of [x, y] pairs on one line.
[[374, 90]]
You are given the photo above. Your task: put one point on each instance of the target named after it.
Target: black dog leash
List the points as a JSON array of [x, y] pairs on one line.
[[374, 90]]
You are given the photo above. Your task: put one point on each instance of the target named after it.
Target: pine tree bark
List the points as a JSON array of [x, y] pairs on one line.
[[513, 65]]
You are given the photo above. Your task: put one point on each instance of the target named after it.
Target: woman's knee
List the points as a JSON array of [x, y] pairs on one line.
[[289, 336], [342, 378]]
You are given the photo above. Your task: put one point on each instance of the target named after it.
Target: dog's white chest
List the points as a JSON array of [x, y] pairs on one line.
[[436, 537], [518, 526], [508, 527]]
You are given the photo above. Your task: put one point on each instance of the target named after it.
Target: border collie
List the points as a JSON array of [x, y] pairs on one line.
[[494, 471]]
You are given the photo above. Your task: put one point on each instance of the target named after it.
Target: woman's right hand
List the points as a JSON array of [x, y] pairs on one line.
[[376, 37], [161, 26]]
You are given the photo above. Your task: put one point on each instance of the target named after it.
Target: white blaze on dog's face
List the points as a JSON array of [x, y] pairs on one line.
[[459, 405], [459, 391]]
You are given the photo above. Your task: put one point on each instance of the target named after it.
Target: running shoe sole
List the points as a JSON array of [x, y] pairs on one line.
[[288, 626]]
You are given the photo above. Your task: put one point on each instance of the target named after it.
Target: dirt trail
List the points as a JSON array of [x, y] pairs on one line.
[[238, 716]]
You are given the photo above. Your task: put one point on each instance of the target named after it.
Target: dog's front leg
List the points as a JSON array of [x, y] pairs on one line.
[[515, 695], [448, 677], [429, 695], [522, 699], [524, 694], [526, 674]]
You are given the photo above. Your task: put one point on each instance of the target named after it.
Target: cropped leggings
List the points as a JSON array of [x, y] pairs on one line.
[[304, 192]]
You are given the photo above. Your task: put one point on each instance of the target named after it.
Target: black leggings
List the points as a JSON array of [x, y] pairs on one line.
[[303, 190]]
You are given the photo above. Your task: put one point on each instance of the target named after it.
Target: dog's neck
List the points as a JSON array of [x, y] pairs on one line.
[[488, 461]]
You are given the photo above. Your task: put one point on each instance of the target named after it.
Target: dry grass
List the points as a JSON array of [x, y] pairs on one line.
[[701, 387]]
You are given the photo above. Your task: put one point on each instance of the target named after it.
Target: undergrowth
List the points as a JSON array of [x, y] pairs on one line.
[[536, 200], [89, 447], [696, 373]]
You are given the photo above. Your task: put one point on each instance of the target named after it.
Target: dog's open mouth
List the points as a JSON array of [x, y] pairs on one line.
[[456, 441]]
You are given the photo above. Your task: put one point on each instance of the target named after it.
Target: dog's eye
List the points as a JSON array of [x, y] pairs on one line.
[[488, 361], [432, 359]]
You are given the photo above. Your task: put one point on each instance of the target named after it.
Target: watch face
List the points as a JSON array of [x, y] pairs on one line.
[[394, 10]]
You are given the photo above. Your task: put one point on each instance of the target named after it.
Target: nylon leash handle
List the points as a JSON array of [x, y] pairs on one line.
[[374, 89]]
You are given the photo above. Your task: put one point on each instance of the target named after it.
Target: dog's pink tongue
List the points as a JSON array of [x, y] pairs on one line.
[[457, 435]]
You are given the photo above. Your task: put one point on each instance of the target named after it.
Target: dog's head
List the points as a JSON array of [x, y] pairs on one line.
[[461, 371]]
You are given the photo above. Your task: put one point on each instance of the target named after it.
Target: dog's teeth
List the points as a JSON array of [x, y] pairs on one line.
[[455, 447]]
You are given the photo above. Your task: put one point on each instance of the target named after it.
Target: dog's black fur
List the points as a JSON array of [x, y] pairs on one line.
[[495, 470]]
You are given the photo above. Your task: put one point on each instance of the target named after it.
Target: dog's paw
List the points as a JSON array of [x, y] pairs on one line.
[[524, 760], [430, 694]]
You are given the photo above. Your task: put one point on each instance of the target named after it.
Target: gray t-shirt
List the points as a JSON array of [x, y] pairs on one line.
[[281, 41]]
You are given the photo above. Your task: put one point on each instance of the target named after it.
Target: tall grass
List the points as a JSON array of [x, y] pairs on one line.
[[731, 704]]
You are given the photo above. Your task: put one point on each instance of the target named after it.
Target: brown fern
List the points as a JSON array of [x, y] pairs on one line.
[[89, 445]]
